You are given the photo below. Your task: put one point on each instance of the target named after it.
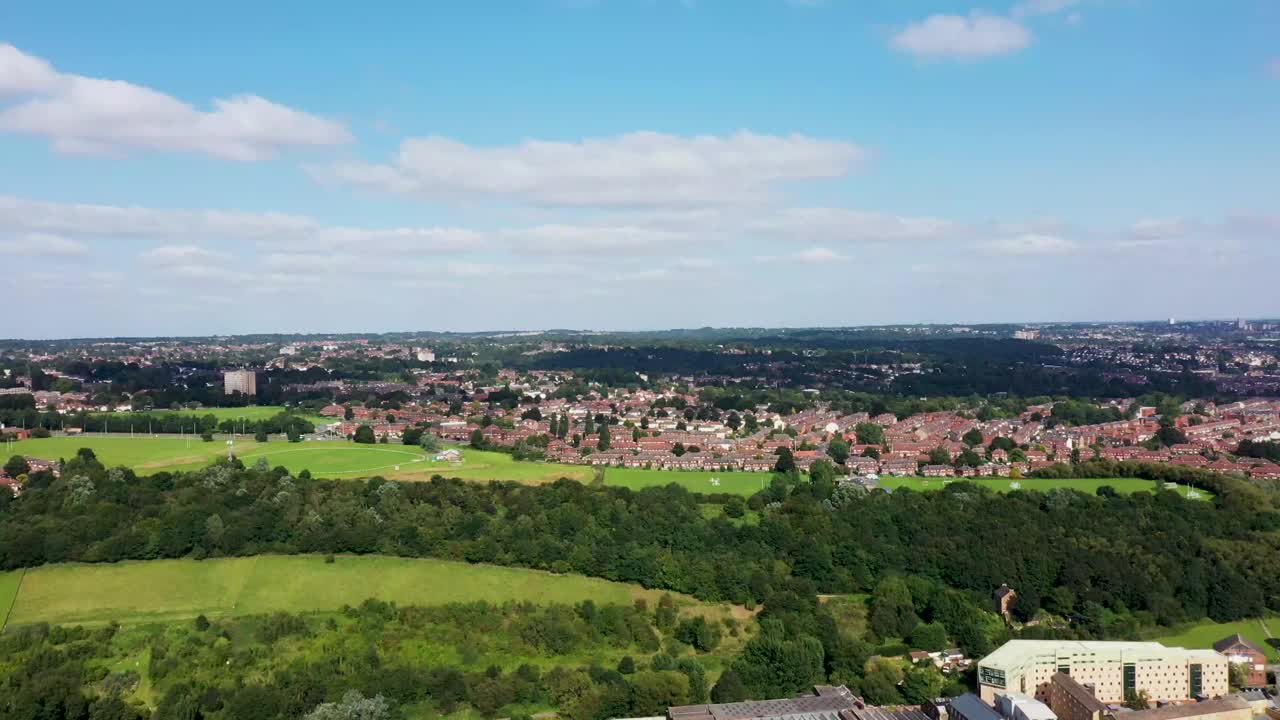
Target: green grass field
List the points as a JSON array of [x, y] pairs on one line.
[[1205, 634], [144, 454], [1084, 485], [9, 583], [251, 413], [166, 590], [344, 459]]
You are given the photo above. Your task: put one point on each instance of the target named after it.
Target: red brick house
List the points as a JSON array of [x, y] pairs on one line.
[[1240, 650]]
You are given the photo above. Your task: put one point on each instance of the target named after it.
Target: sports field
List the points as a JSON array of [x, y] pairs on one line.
[[165, 590], [251, 413], [144, 454], [345, 459], [1205, 634], [1084, 485], [341, 458]]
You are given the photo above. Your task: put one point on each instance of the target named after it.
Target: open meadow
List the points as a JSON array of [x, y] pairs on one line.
[[1090, 486], [167, 590], [345, 459], [251, 413], [1206, 633]]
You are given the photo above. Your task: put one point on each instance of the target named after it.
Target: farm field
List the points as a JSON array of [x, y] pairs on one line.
[[1205, 634], [1084, 485], [168, 590]]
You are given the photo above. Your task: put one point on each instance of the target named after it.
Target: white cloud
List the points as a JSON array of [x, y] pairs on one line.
[[962, 38], [808, 256], [80, 114], [174, 255], [42, 245], [818, 256], [1031, 244], [1032, 8], [99, 221], [693, 263], [841, 225], [1160, 229], [578, 239], [636, 169]]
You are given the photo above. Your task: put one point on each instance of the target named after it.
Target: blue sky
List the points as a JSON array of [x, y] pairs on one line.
[[240, 167]]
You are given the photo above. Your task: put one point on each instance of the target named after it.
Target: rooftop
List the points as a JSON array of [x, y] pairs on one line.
[[1018, 652], [1190, 710], [825, 704], [1079, 693], [973, 708]]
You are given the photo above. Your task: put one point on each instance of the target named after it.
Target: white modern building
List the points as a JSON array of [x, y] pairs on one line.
[[1107, 668]]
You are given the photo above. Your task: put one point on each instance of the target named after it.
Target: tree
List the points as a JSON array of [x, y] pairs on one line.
[[921, 683], [880, 683], [871, 452], [627, 665], [929, 636], [16, 466], [939, 456], [973, 438], [430, 442], [605, 439], [653, 692], [892, 613], [364, 434], [292, 435], [869, 433], [838, 450], [697, 632], [786, 461], [348, 413], [353, 706], [1136, 700], [206, 436], [729, 687], [260, 436], [477, 438], [1238, 675], [735, 506], [969, 457]]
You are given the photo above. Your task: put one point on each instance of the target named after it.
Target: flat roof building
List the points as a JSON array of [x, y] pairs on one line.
[[240, 381], [1016, 706], [1109, 668]]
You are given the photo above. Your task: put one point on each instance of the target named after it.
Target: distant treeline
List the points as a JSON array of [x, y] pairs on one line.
[[159, 422]]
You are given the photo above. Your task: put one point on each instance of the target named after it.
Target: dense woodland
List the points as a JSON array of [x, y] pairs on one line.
[[1102, 566]]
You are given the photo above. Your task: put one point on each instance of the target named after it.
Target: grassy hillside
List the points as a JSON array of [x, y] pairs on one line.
[[164, 590], [1205, 634]]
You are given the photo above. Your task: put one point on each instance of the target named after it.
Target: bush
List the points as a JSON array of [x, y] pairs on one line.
[[260, 436]]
